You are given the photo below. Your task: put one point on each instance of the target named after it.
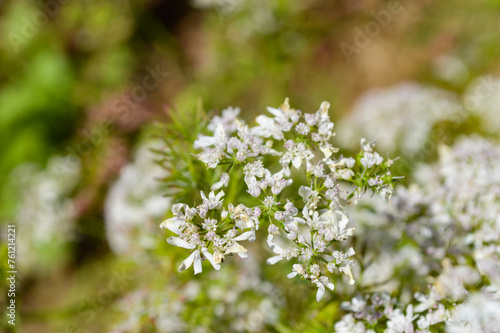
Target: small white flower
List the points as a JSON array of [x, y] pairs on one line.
[[399, 323], [310, 197], [273, 230], [343, 262], [346, 174], [370, 159], [219, 139], [296, 154], [306, 254], [367, 147], [302, 129], [196, 259], [213, 201], [255, 169], [297, 269], [356, 304], [269, 202], [227, 120], [277, 182], [349, 325], [321, 283], [426, 301], [333, 225], [209, 224]]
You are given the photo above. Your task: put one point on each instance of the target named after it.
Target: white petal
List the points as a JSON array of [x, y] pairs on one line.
[[299, 220], [250, 180], [305, 192], [274, 260], [350, 253], [216, 186], [275, 112], [243, 255], [235, 248], [178, 207], [197, 263], [252, 239], [326, 151], [254, 191], [180, 243], [243, 224], [297, 161], [347, 271], [343, 219], [244, 236], [220, 134], [274, 247], [265, 122], [278, 175], [188, 261], [172, 224], [409, 311], [286, 171], [225, 178], [330, 286], [291, 275], [210, 258], [204, 141], [275, 190], [219, 195], [321, 291]]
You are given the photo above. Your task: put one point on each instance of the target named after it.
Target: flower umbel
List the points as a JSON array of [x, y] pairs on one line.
[[306, 221]]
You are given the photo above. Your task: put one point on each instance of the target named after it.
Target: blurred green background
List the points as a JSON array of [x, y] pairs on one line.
[[86, 79]]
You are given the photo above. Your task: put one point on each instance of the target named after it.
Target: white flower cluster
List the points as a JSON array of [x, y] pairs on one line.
[[411, 110], [248, 306], [134, 202], [309, 222], [482, 98], [225, 6], [162, 308], [200, 226], [480, 312], [381, 311], [45, 212], [414, 111], [443, 231], [258, 17], [462, 219]]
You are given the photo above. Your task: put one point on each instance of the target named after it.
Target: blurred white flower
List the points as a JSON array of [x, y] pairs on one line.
[[400, 323], [134, 204], [228, 117], [482, 98], [479, 313], [411, 110], [45, 213]]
